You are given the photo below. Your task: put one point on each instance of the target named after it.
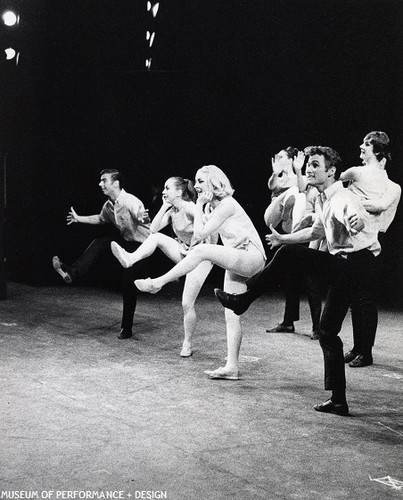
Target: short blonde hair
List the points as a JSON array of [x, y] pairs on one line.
[[217, 182]]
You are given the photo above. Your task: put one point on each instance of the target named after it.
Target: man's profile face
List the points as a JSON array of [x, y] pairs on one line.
[[316, 172], [107, 184]]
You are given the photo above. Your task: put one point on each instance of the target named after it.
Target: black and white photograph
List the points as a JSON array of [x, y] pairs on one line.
[[201, 249]]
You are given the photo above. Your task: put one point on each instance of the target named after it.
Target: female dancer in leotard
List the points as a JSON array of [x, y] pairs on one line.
[[178, 210]]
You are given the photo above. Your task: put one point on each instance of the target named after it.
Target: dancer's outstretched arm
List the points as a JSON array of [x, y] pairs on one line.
[[305, 235], [83, 219]]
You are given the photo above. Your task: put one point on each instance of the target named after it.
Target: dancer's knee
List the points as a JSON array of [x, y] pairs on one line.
[[327, 333]]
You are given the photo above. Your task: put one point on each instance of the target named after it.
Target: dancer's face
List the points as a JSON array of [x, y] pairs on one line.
[[201, 185], [107, 184], [171, 193], [316, 172], [366, 150]]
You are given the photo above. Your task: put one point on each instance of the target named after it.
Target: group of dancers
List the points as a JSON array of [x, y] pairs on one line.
[[327, 234]]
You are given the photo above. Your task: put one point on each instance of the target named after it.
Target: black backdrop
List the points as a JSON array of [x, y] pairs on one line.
[[231, 83]]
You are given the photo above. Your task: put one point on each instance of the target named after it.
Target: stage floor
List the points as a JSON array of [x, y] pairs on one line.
[[82, 411]]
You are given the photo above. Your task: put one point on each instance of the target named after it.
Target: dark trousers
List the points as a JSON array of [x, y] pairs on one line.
[[314, 294], [364, 316], [129, 292], [292, 299], [345, 279]]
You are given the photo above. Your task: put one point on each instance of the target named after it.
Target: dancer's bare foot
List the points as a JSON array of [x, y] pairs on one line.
[[223, 373], [186, 350], [121, 254], [147, 285]]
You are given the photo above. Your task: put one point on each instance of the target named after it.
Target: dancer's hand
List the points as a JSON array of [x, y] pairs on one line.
[[298, 162], [277, 168], [144, 217], [273, 239], [72, 216], [353, 222], [204, 198], [356, 223], [165, 203]]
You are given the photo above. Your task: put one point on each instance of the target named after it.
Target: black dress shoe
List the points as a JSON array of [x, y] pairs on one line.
[[282, 328], [125, 333], [361, 360], [62, 270], [330, 407], [349, 356], [233, 301]]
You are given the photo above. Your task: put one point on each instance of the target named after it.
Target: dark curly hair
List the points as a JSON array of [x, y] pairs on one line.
[[332, 157], [291, 152]]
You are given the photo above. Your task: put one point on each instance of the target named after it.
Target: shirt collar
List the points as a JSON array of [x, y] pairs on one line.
[[119, 198], [331, 190]]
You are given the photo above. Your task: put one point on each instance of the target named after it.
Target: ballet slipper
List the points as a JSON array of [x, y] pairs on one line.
[[222, 374], [186, 351], [121, 254], [147, 285]]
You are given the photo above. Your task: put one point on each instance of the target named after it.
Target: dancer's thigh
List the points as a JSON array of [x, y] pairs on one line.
[[243, 262]]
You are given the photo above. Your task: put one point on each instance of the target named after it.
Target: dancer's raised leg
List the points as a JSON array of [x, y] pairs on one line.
[[168, 245], [245, 263], [299, 210], [274, 212]]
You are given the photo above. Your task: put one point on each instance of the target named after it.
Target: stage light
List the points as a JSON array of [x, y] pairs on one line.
[[10, 18], [154, 8], [10, 53], [150, 37], [148, 63]]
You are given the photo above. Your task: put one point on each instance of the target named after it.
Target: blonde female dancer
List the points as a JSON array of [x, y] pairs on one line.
[[241, 255], [178, 209]]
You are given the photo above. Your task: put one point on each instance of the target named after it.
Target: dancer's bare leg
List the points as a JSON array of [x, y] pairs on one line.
[[274, 212], [232, 284], [289, 198], [168, 245], [299, 210], [243, 262], [193, 283]]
